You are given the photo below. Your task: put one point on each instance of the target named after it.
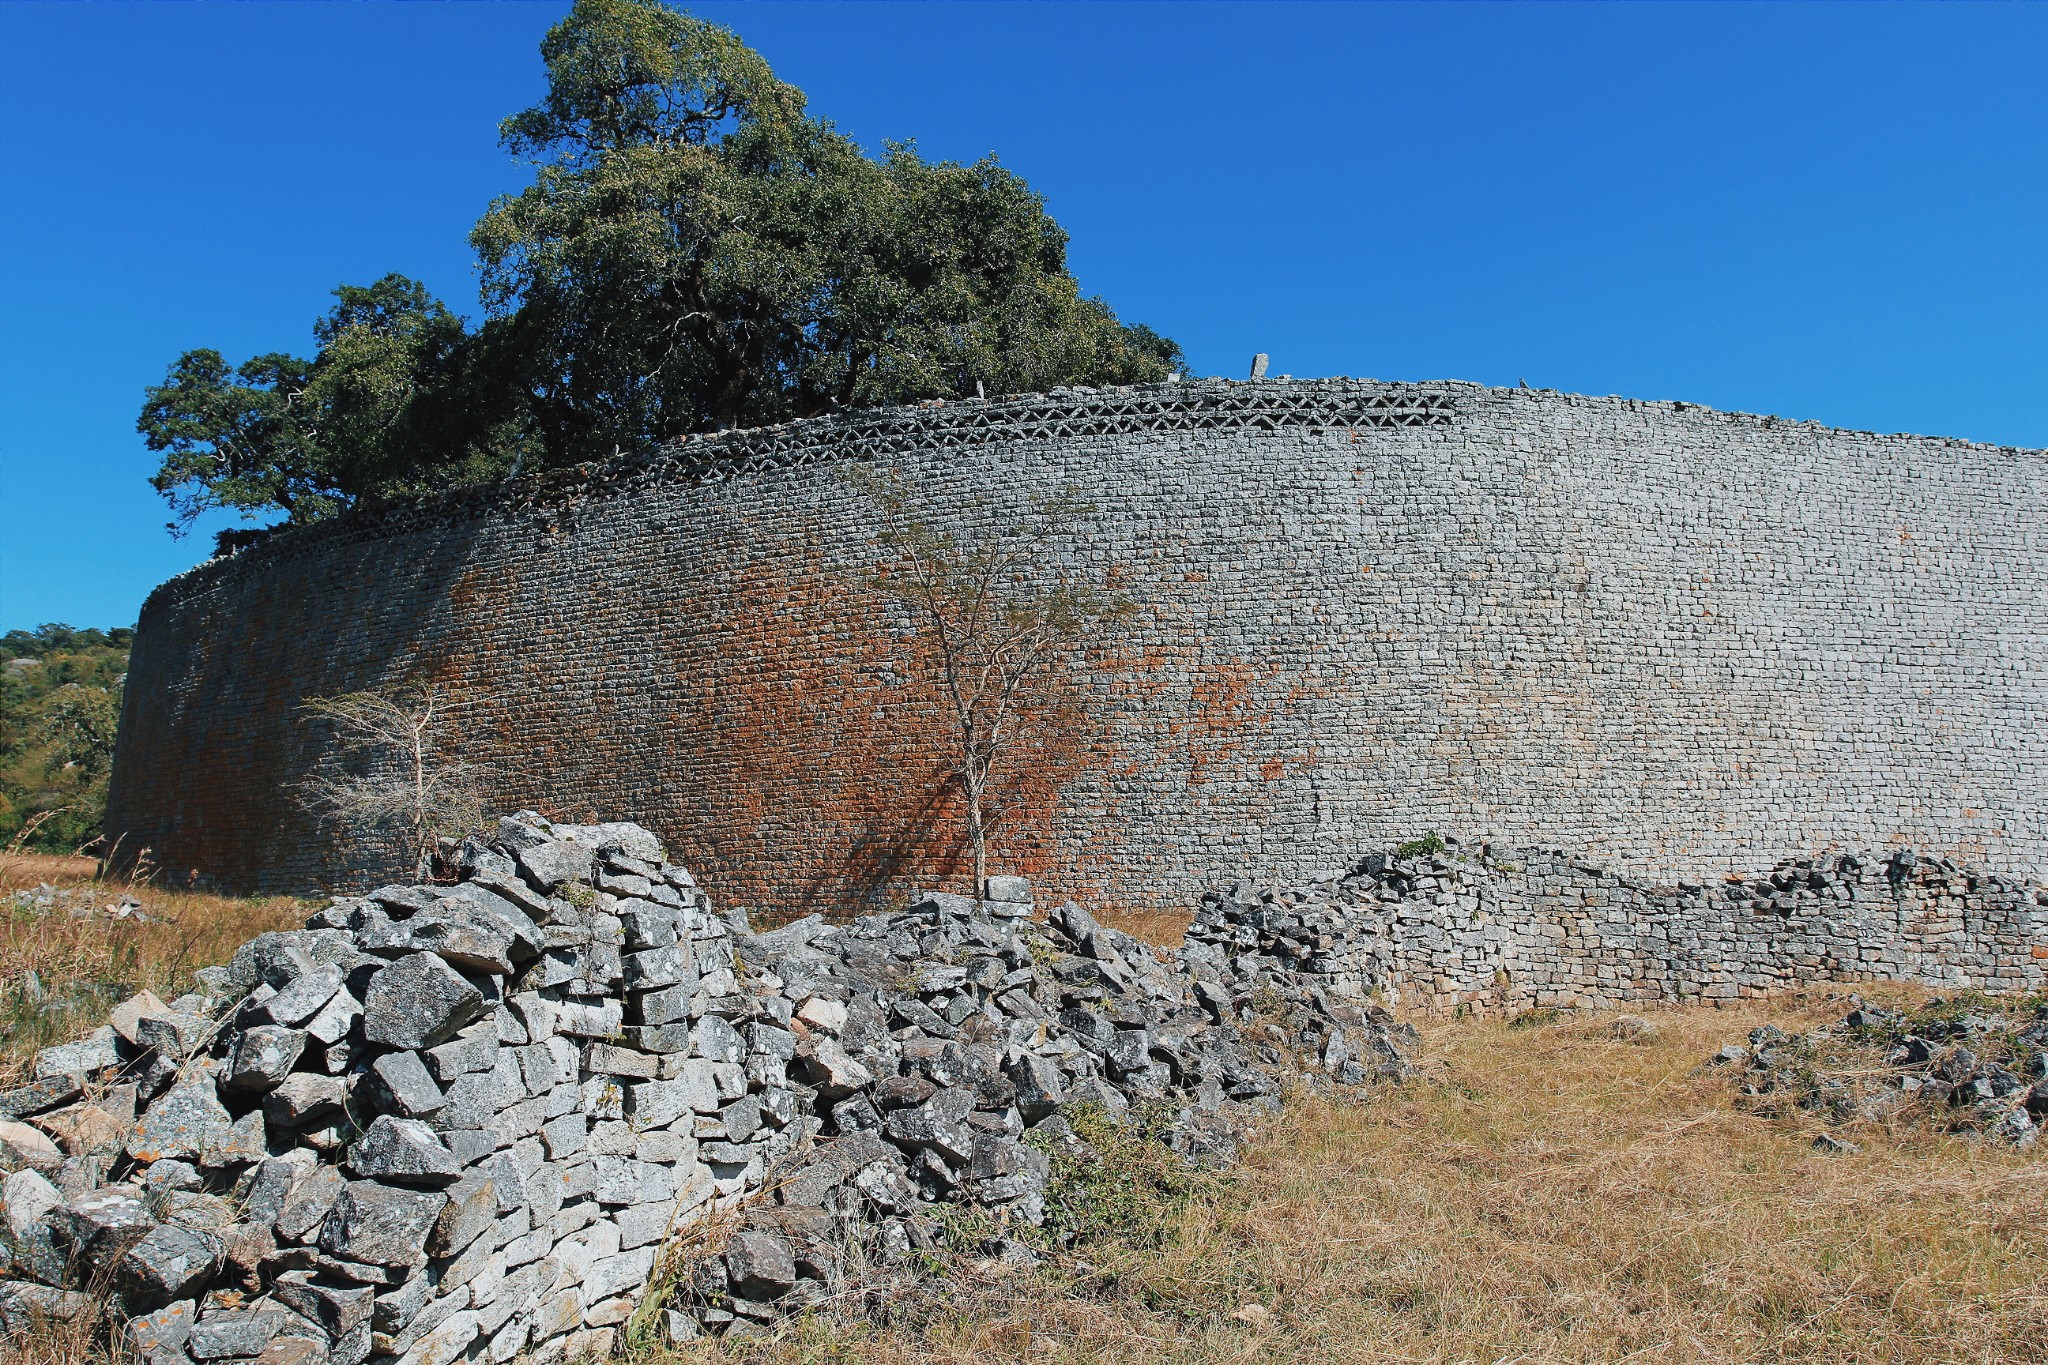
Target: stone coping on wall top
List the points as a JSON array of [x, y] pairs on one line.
[[1062, 414]]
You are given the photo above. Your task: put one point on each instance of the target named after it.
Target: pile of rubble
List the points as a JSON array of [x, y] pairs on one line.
[[79, 902], [1974, 1064], [465, 1120]]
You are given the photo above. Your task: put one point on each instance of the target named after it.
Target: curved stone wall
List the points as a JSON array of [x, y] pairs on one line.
[[1678, 639]]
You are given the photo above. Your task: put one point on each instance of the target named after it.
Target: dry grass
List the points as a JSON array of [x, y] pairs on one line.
[[1550, 1194], [1161, 928], [82, 966]]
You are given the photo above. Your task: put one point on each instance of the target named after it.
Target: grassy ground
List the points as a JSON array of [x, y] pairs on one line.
[[1546, 1194], [83, 966]]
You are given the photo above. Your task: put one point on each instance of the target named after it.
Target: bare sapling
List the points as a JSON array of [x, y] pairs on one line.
[[1005, 625], [393, 770]]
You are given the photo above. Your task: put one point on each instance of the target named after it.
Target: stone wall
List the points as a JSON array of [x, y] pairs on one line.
[[1492, 928], [1679, 640]]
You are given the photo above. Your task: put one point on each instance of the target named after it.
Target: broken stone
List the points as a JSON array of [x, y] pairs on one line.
[[263, 1057], [417, 1002], [403, 1150], [173, 1034], [183, 1122], [761, 1265], [405, 1086], [166, 1263], [381, 1224]]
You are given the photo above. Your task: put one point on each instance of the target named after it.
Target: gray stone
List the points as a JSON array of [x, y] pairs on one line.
[[405, 1086], [311, 1198], [174, 1035], [472, 1210], [231, 1335], [381, 1224], [1011, 889], [761, 1265], [98, 1226], [303, 997], [33, 1309], [303, 1099], [552, 863], [159, 1338], [405, 1151], [124, 1017], [263, 1056], [463, 935], [418, 1001], [166, 1263], [828, 1066], [37, 1096], [183, 1123], [95, 1052], [475, 1050]]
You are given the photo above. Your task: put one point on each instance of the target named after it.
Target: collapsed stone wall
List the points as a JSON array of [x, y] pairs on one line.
[[462, 1121], [478, 1120], [1674, 639], [1491, 927]]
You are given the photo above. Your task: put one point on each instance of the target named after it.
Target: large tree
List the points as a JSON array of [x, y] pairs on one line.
[[398, 399], [695, 251]]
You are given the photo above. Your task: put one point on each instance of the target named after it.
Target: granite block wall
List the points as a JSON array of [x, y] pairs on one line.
[[1493, 928], [1678, 640]]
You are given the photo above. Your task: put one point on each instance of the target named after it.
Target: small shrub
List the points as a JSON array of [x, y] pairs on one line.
[[1428, 845]]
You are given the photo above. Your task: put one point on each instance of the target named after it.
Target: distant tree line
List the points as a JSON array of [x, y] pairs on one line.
[[696, 251], [60, 699]]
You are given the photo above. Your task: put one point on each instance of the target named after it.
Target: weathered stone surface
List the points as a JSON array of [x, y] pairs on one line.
[[159, 1336], [174, 1035], [263, 1057], [405, 1085], [471, 1211], [34, 1309], [381, 1224], [304, 996], [229, 1335], [306, 1205], [418, 1001], [39, 1095], [125, 1017], [761, 1265], [166, 1263], [303, 1099], [405, 1151], [95, 1228], [182, 1123], [94, 1052]]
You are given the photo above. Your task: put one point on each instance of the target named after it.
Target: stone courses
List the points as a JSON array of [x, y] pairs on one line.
[[1676, 639]]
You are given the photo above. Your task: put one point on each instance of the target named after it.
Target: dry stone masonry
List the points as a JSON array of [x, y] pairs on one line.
[[464, 1121], [1673, 639], [1490, 927]]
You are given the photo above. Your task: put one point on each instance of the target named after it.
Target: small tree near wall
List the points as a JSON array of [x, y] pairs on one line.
[[1004, 626], [394, 774]]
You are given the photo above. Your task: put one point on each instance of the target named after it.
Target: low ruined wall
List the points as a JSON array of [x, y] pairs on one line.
[[1509, 929], [1677, 640]]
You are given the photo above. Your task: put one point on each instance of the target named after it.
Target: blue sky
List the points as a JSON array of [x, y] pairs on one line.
[[1836, 212]]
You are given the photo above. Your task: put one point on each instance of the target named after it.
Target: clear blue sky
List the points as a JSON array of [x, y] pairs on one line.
[[1834, 212]]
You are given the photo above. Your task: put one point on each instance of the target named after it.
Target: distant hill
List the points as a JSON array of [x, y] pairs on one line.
[[60, 701]]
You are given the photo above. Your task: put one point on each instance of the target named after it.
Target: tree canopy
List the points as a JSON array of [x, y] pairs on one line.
[[696, 251]]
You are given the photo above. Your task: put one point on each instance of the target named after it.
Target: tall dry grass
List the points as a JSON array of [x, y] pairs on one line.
[[82, 966], [1546, 1194]]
